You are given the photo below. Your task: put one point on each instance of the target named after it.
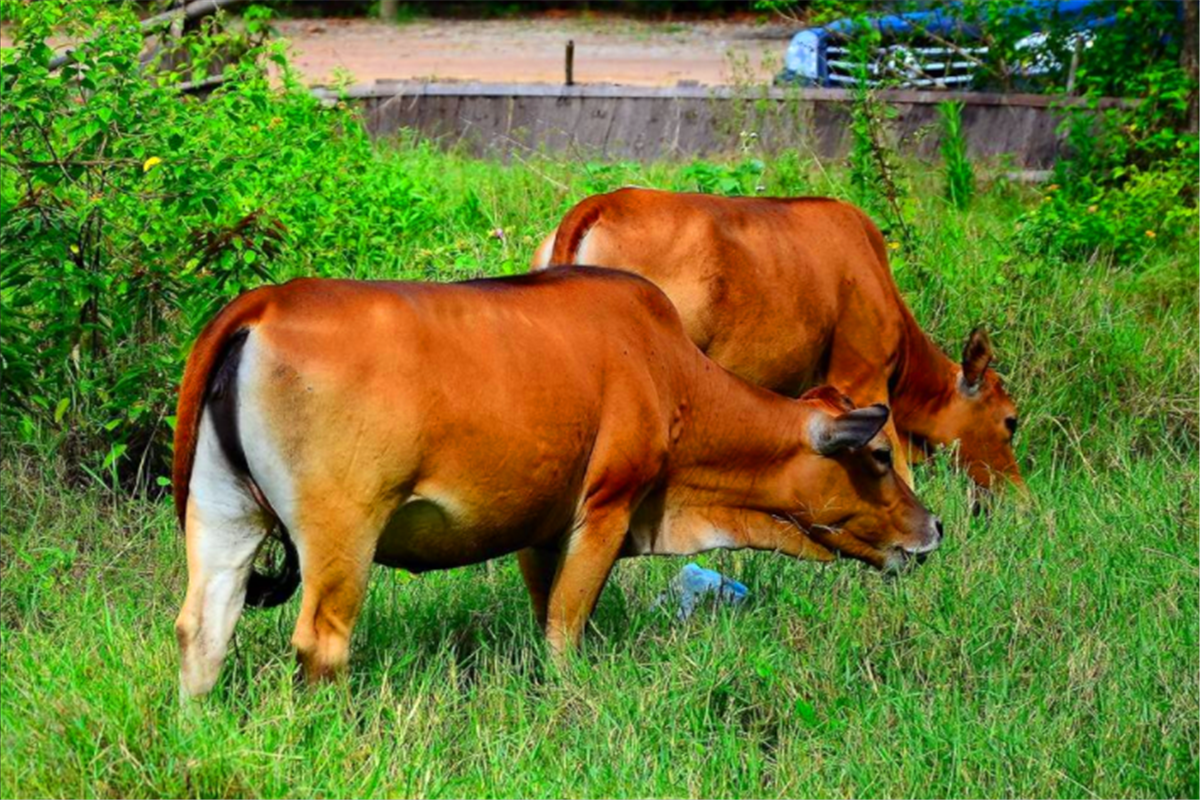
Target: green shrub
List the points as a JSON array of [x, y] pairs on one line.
[[1128, 178], [740, 178], [130, 210], [1121, 219]]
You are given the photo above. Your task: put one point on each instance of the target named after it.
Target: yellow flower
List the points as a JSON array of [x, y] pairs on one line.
[[893, 245], [151, 163], [1093, 209], [1150, 234]]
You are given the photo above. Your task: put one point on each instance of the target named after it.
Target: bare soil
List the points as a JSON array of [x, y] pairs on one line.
[[607, 50]]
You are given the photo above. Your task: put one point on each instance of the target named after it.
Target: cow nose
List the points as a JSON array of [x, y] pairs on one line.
[[941, 529]]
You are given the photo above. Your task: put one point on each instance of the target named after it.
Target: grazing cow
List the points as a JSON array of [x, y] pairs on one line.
[[564, 415], [791, 293]]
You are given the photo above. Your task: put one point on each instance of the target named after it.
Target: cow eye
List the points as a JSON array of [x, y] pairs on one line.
[[884, 457], [1011, 424]]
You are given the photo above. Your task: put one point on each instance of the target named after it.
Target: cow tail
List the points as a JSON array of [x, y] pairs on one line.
[[210, 379]]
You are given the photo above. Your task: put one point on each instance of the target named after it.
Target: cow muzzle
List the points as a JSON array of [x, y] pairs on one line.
[[902, 557]]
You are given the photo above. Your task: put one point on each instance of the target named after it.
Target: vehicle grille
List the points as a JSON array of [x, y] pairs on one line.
[[906, 66]]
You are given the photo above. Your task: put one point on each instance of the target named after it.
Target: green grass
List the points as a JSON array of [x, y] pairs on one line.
[[1050, 649]]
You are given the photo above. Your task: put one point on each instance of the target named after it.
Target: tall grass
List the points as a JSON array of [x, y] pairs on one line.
[[1050, 649], [960, 174]]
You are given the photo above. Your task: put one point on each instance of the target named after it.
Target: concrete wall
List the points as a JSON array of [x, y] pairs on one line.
[[625, 122]]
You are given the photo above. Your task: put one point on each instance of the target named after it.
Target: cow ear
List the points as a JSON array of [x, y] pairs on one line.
[[831, 435], [976, 357]]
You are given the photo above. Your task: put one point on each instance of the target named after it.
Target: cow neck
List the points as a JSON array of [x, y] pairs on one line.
[[736, 446], [923, 382]]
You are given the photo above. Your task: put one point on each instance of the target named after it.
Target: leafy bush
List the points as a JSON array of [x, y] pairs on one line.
[[740, 178], [1129, 174], [1122, 219], [130, 209], [1127, 177]]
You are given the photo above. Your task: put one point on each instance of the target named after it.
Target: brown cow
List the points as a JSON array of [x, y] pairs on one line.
[[564, 415], [791, 293]]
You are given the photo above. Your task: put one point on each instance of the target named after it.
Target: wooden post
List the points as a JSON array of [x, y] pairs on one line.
[[389, 10], [178, 24], [570, 62], [1073, 70], [1189, 57]]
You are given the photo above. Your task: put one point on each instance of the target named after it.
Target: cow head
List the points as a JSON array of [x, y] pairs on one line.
[[866, 511], [981, 417]]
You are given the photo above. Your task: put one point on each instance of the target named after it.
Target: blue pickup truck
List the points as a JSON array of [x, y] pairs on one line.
[[937, 48]]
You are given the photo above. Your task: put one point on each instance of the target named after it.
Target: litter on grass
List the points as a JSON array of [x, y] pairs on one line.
[[693, 585]]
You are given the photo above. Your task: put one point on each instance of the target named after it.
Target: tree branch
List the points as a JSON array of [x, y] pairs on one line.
[[199, 8]]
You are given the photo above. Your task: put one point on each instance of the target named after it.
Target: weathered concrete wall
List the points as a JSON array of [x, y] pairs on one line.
[[624, 122]]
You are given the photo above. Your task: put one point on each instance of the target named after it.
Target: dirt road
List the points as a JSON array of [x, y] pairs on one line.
[[531, 50]]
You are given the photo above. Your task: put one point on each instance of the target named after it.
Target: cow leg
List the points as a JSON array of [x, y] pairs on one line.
[[538, 567], [336, 548], [587, 559], [224, 528]]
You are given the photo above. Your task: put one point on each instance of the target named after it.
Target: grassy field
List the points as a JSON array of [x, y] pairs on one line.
[[1048, 649]]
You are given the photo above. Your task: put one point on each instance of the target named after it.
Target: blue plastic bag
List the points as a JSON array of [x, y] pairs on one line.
[[693, 584]]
